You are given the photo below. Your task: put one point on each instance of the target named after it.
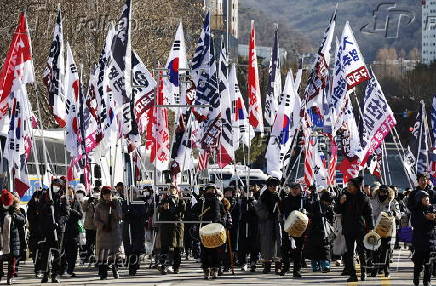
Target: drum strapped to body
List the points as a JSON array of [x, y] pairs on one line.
[[213, 235], [385, 224], [296, 224]]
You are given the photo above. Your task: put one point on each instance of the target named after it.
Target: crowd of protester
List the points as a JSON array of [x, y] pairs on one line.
[[111, 227]]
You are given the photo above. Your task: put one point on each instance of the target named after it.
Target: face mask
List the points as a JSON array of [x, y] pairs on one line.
[[96, 195], [56, 189], [6, 207], [146, 194]]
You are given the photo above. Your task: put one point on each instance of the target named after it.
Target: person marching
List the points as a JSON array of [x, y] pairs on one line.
[[270, 230], [384, 201], [71, 236], [248, 233], [317, 243], [208, 209], [107, 219], [424, 237], [11, 220], [294, 201], [171, 208], [356, 211]]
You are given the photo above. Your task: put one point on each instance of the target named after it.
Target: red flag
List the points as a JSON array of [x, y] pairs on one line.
[[255, 109], [17, 65]]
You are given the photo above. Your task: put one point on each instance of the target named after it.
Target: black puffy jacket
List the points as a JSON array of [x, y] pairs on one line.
[[424, 232], [356, 214], [18, 221]]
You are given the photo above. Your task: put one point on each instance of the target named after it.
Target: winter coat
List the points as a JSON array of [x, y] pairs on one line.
[[52, 217], [424, 230], [11, 243], [356, 214], [88, 208], [172, 234], [316, 244], [109, 234], [388, 204], [208, 209], [412, 202], [35, 225], [134, 221], [75, 214], [290, 204], [248, 226], [235, 211], [270, 229]]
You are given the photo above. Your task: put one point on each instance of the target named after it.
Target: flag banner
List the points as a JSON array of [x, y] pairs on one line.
[[160, 149], [255, 116], [108, 109], [226, 152], [242, 131], [72, 91], [309, 153], [17, 68], [210, 126], [350, 70], [352, 149], [375, 163], [143, 100], [332, 163], [378, 119], [120, 67], [181, 153], [298, 77], [416, 157], [136, 157], [433, 140], [203, 160], [16, 72], [320, 174], [318, 79], [19, 139], [54, 74], [175, 66], [275, 83], [283, 130], [204, 75], [352, 60]]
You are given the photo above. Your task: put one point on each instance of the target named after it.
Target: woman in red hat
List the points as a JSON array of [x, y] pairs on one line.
[[11, 219]]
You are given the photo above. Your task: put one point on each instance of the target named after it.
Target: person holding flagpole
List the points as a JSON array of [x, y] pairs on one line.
[[357, 220]]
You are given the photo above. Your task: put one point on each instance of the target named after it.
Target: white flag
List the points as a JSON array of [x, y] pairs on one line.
[[283, 130], [54, 73], [72, 91], [176, 65]]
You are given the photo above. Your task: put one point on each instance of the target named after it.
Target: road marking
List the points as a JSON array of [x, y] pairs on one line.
[[385, 281]]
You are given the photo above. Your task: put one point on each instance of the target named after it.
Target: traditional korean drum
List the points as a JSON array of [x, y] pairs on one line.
[[296, 224], [213, 235], [385, 225]]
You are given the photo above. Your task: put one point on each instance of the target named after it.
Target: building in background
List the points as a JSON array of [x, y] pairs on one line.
[[428, 48], [263, 53], [224, 20]]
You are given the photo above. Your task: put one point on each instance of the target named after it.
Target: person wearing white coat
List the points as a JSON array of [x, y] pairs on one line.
[[383, 200]]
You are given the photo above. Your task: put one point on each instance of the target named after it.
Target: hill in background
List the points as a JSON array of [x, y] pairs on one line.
[[310, 18]]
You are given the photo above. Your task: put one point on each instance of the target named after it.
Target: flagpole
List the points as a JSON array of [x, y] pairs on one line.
[[298, 167], [395, 136], [387, 163]]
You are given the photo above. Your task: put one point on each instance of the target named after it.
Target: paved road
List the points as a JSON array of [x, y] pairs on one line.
[[190, 274]]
